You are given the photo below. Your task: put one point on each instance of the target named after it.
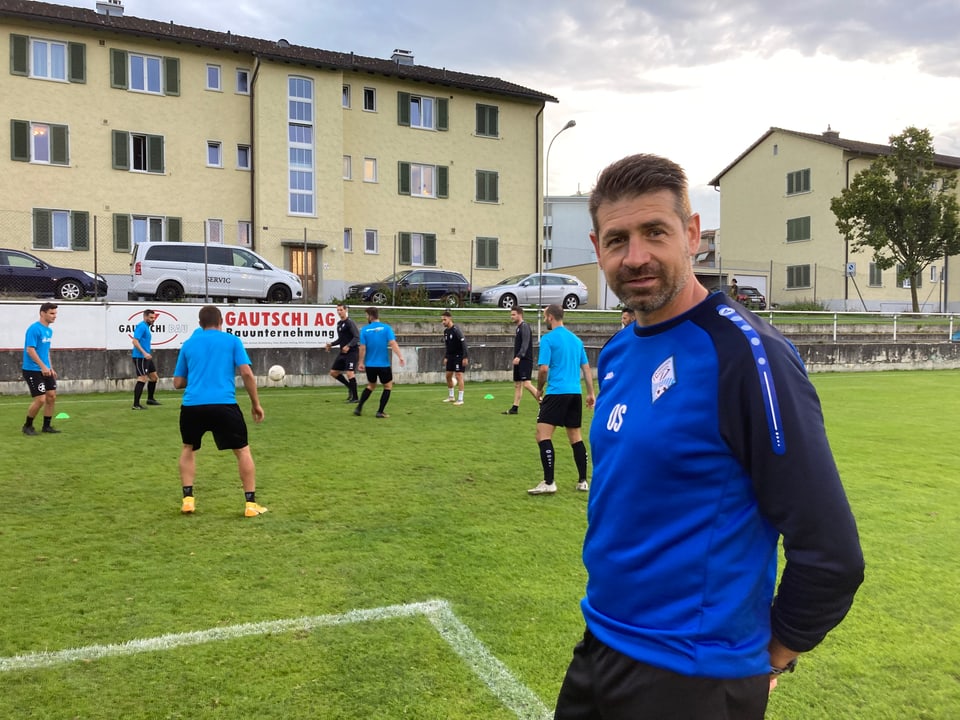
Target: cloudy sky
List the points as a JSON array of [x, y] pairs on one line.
[[695, 80]]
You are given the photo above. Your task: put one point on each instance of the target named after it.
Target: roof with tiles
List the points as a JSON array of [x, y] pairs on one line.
[[269, 49]]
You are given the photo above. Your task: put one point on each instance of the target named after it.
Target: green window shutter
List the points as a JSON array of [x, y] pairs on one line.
[[443, 181], [20, 140], [121, 150], [77, 53], [405, 249], [80, 230], [118, 69], [493, 122], [42, 229], [481, 185], [121, 233], [19, 55], [173, 229], [443, 114], [403, 178], [493, 187], [403, 108], [59, 145], [155, 153], [171, 76], [430, 250]]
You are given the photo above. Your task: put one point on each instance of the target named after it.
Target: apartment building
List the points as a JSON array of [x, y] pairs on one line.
[[778, 230], [336, 166]]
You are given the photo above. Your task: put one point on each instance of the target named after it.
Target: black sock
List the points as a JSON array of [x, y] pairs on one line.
[[137, 392], [151, 389], [546, 459], [580, 458], [363, 397], [514, 408], [342, 380], [46, 420], [384, 399], [250, 496], [353, 388], [29, 422], [188, 491]]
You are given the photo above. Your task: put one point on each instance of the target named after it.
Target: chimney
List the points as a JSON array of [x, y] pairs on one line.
[[832, 134], [110, 8], [402, 57]]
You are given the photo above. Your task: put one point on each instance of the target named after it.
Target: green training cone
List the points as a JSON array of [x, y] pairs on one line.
[[488, 396], [62, 416]]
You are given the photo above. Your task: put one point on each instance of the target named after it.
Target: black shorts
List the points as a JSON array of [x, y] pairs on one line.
[[561, 410], [455, 363], [522, 370], [143, 367], [379, 374], [39, 383], [346, 361], [224, 421]]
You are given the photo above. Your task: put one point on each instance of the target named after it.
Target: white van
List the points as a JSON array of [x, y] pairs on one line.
[[169, 271]]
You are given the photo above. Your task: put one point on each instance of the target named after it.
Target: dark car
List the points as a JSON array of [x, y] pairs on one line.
[[751, 298], [24, 274], [446, 286]]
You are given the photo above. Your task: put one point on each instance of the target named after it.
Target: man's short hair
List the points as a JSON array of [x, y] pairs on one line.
[[47, 307], [210, 316], [446, 313], [518, 310], [373, 313], [148, 311], [344, 306], [554, 311], [637, 175]]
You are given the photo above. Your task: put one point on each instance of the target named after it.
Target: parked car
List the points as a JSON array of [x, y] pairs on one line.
[[449, 287], [24, 274], [566, 290], [751, 298]]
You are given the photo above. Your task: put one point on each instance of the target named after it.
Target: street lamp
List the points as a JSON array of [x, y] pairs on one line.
[[547, 218]]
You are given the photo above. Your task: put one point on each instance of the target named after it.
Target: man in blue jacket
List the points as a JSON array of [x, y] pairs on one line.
[[708, 445]]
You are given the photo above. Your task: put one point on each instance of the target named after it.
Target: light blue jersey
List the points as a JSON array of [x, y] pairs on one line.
[[563, 353], [39, 337], [209, 360], [376, 337], [143, 335]]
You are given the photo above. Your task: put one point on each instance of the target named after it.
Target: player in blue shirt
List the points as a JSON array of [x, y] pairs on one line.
[[206, 369], [143, 363], [562, 360], [376, 342], [708, 446], [38, 371]]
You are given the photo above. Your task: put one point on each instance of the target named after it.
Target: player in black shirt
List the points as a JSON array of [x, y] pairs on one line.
[[455, 357], [348, 340], [522, 361]]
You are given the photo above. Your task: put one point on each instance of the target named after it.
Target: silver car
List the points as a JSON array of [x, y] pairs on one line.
[[534, 289]]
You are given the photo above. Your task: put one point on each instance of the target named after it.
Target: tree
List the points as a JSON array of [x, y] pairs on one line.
[[903, 207]]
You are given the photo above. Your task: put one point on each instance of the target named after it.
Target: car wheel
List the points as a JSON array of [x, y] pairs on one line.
[[169, 291], [508, 301], [279, 294], [451, 300], [69, 290], [571, 302], [379, 297]]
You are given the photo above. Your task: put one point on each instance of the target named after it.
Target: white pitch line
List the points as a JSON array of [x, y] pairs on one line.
[[513, 694]]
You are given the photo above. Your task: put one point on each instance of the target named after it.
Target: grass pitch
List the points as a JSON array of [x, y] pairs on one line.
[[428, 505]]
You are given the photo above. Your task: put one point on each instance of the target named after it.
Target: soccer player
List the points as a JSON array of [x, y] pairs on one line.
[[348, 340], [522, 360], [455, 358], [206, 367], [562, 360], [709, 445], [38, 371], [376, 342], [627, 317], [143, 363]]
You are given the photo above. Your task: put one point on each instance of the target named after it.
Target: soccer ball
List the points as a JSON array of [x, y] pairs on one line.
[[276, 373]]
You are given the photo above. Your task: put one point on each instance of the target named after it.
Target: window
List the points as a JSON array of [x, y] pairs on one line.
[[348, 239], [370, 99], [347, 168], [345, 97], [371, 243], [488, 120], [39, 143], [213, 231], [798, 182], [487, 253], [214, 154], [876, 276], [418, 180], [798, 276], [300, 144], [48, 59], [243, 81], [370, 170], [137, 152], [61, 230], [905, 281], [418, 249], [244, 233], [488, 189], [243, 157], [213, 77], [141, 228], [144, 73], [933, 274], [420, 111], [798, 229]]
